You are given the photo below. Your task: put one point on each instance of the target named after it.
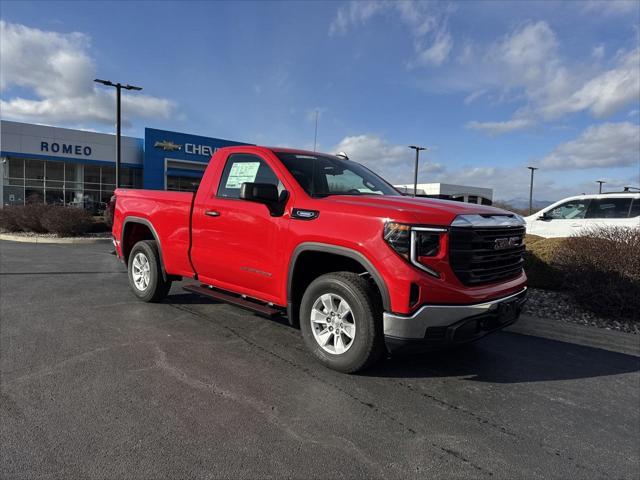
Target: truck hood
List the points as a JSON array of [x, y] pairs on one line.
[[411, 210]]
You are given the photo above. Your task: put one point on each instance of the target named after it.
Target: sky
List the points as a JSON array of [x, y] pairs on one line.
[[489, 87]]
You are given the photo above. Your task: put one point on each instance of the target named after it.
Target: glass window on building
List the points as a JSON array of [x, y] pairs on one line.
[[54, 171], [92, 177], [54, 183], [73, 173], [131, 178], [182, 184], [109, 176], [91, 201], [54, 196], [12, 195], [33, 194], [34, 170], [13, 182], [64, 183], [14, 171]]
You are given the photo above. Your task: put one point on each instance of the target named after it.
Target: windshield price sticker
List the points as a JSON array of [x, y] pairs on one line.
[[242, 172]]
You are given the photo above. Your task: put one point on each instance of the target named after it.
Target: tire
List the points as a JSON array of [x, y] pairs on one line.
[[342, 352], [148, 285]]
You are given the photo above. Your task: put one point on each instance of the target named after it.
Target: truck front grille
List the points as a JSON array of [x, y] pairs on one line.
[[486, 255]]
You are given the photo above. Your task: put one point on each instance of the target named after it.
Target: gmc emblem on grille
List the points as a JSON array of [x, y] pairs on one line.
[[508, 242]]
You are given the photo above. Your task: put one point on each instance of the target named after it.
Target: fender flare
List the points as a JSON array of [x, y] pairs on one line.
[[341, 251], [147, 223]]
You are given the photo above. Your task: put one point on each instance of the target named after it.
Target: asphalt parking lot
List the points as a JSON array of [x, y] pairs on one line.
[[96, 384]]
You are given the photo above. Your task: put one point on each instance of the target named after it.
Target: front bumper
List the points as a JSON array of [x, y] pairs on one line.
[[440, 326]]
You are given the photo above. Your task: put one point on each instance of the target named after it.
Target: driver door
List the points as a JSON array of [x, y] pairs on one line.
[[237, 245], [562, 221]]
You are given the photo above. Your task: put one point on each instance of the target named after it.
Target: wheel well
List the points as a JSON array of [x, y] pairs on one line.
[[133, 233], [312, 264]]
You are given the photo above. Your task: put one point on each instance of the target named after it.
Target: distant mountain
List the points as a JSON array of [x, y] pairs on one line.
[[521, 202]]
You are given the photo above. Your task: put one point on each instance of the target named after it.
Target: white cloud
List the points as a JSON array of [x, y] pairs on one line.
[[598, 52], [354, 14], [606, 145], [395, 163], [611, 7], [59, 70], [427, 21], [473, 96], [604, 94], [526, 63], [438, 52], [498, 128], [389, 161]]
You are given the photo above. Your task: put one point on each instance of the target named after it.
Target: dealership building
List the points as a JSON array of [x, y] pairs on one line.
[[450, 191], [75, 167], [62, 166]]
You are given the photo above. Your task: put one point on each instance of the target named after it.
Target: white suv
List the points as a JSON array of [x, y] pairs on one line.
[[571, 215]]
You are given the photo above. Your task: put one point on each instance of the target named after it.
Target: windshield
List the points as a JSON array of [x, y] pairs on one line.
[[321, 175]]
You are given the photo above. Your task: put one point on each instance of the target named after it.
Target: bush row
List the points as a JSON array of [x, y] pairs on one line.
[[600, 269], [40, 218]]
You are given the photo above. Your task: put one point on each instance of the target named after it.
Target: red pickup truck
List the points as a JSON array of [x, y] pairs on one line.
[[360, 268]]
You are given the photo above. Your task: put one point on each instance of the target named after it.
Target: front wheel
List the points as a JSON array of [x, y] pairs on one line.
[[145, 272], [341, 321]]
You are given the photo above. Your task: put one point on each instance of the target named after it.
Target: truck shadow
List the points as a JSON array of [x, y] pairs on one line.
[[502, 357], [507, 357]]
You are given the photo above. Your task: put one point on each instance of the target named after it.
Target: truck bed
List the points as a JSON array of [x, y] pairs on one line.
[[169, 213]]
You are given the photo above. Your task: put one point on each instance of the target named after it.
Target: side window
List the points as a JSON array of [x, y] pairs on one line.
[[635, 208], [241, 168], [609, 208], [569, 210]]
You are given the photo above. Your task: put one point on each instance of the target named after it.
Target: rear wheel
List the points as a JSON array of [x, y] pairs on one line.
[[341, 321], [145, 272]]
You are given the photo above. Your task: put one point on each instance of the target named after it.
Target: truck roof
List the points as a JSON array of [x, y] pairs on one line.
[[296, 151]]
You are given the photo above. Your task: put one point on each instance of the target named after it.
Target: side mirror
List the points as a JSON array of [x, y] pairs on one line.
[[545, 216], [265, 193]]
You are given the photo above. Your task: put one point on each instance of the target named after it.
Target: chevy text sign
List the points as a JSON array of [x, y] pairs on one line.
[[195, 149]]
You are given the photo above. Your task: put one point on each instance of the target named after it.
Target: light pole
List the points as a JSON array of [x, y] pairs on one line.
[[415, 172], [118, 87], [533, 169], [600, 182]]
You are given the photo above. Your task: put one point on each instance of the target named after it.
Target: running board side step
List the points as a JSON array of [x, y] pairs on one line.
[[236, 300]]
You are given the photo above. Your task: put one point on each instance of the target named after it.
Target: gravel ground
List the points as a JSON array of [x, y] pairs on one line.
[[560, 306]]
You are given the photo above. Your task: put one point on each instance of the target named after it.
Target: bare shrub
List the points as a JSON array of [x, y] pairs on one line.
[[67, 221], [8, 221], [601, 269], [29, 217], [540, 262]]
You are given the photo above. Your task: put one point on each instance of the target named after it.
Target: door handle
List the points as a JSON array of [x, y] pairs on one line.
[[212, 213], [576, 225]]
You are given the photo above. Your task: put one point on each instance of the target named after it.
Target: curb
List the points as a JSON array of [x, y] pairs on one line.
[[67, 241], [594, 337]]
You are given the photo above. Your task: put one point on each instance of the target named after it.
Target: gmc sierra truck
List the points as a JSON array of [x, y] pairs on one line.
[[360, 268]]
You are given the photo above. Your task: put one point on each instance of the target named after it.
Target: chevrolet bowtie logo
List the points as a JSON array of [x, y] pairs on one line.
[[167, 146]]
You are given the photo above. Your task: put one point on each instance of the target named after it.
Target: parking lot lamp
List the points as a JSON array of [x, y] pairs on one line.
[[533, 169], [600, 182], [415, 172], [118, 86]]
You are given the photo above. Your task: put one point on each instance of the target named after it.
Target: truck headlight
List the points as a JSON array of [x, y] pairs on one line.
[[415, 243], [398, 236]]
